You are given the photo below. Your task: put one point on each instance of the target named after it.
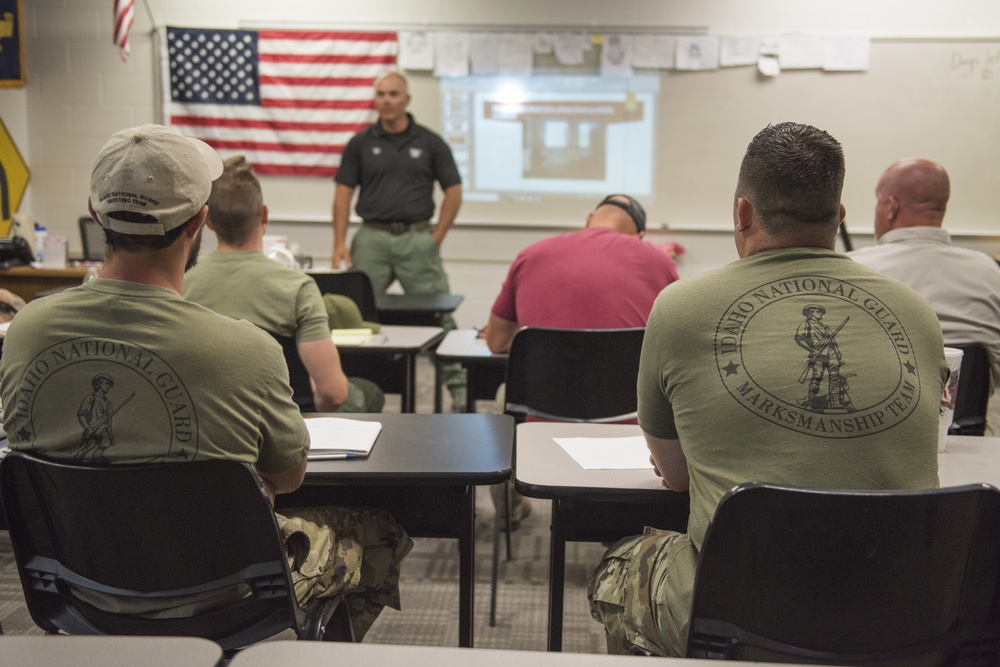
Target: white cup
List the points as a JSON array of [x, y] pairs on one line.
[[54, 251], [954, 358]]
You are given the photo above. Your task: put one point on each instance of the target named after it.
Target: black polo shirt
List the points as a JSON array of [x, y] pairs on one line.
[[396, 172]]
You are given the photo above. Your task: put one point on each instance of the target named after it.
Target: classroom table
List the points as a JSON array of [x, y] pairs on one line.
[[27, 281], [588, 505], [389, 359], [108, 651], [424, 470], [485, 371], [415, 309], [606, 505], [302, 654]]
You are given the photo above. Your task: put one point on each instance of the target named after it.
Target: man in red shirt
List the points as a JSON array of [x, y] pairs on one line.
[[601, 277]]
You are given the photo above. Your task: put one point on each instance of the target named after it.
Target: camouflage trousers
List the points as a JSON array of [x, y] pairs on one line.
[[349, 551], [626, 593]]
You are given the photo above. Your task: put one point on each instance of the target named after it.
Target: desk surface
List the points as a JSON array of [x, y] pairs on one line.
[[544, 470], [466, 345], [434, 449], [108, 651], [300, 654], [397, 338]]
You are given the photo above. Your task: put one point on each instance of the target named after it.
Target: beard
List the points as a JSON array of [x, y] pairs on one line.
[[193, 253]]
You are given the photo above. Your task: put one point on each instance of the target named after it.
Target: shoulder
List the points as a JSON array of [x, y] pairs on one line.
[[362, 135], [428, 135]]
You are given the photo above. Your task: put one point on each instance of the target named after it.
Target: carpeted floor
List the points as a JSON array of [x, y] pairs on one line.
[[430, 580]]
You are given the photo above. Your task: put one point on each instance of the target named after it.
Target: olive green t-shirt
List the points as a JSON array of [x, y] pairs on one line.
[[796, 367], [249, 286], [122, 372]]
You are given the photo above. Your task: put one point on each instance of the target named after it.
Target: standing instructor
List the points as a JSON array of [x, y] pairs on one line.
[[395, 163]]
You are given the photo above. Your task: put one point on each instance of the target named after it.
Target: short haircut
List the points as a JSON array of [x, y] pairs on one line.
[[120, 242], [792, 174], [236, 202]]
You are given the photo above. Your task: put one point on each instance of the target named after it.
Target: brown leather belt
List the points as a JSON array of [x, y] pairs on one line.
[[397, 228]]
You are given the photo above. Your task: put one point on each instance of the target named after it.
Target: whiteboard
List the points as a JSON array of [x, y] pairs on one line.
[[936, 99]]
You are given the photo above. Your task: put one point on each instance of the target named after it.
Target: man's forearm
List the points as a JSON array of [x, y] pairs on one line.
[[341, 212], [450, 206]]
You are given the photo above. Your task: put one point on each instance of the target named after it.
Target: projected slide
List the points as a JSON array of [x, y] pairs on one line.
[[552, 135]]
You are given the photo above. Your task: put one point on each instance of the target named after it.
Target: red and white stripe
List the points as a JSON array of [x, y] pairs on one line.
[[124, 17]]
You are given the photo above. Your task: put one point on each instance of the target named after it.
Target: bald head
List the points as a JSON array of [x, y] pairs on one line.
[[393, 77], [911, 193]]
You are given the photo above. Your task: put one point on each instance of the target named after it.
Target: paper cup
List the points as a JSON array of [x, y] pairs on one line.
[[954, 358]]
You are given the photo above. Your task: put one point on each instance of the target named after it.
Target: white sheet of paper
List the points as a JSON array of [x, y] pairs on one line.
[[337, 437], [451, 54], [654, 51], [802, 52], [483, 53], [416, 50], [738, 50], [569, 47], [514, 53], [697, 53], [847, 54], [616, 55], [607, 453]]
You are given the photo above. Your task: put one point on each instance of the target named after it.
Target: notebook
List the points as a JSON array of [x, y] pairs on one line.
[[339, 438], [349, 337]]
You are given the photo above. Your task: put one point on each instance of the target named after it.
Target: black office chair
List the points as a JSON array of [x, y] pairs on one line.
[[149, 531], [298, 376], [850, 577], [569, 375], [92, 240], [973, 391], [353, 283]]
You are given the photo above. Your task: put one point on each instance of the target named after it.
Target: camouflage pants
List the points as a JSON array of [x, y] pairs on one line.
[[349, 551], [626, 593]]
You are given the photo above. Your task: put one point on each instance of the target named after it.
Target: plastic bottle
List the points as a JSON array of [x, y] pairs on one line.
[[40, 234]]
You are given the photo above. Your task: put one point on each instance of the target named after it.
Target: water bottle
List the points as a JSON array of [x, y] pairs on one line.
[[40, 234]]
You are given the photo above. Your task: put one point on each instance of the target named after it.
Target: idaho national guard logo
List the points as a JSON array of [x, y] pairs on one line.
[[787, 350], [119, 392]]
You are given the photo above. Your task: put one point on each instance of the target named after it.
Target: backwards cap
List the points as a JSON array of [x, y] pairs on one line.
[[154, 171], [633, 208]]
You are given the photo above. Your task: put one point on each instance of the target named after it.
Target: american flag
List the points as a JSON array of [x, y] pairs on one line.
[[124, 17], [288, 100]]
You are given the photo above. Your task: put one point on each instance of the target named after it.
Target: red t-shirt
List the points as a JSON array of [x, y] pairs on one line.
[[596, 278]]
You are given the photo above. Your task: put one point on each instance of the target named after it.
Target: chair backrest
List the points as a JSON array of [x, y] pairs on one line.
[[973, 391], [353, 283], [91, 240], [298, 376], [860, 578], [144, 532], [574, 375]]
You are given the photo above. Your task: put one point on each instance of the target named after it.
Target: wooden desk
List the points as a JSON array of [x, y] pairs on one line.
[[390, 359], [302, 654], [108, 651], [415, 309], [424, 470], [485, 371], [27, 282], [606, 505]]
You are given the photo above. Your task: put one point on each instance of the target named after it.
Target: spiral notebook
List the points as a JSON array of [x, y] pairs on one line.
[[340, 438]]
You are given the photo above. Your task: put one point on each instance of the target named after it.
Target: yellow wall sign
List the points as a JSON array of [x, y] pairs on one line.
[[13, 179]]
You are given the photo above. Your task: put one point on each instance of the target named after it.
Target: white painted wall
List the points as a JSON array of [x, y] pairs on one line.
[[79, 92]]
